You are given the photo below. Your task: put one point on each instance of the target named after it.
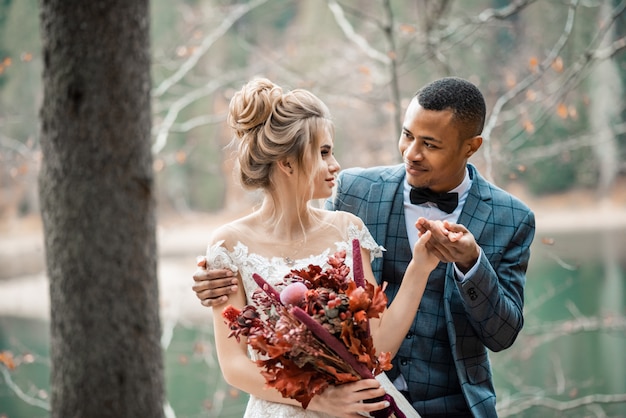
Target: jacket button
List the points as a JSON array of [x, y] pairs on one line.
[[472, 293]]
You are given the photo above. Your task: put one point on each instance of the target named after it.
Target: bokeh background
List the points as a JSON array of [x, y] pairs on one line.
[[553, 74]]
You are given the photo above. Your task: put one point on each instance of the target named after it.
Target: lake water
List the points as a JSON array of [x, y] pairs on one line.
[[569, 361]]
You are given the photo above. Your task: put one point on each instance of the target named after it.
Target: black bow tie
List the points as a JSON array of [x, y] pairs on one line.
[[447, 202]]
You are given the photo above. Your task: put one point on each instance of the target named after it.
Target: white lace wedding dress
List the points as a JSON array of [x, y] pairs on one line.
[[273, 270]]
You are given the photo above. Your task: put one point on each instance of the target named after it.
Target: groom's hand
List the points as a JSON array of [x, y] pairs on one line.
[[212, 286], [451, 243]]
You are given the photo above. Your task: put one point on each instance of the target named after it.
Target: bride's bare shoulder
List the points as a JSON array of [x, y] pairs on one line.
[[232, 232], [345, 219]]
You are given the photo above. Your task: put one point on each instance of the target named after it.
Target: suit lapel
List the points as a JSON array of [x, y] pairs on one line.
[[380, 200], [477, 209]]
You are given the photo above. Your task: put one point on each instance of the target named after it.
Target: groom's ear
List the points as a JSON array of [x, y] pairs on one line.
[[285, 167], [472, 145]]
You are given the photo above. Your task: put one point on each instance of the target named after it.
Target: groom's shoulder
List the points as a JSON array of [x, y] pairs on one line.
[[498, 195]]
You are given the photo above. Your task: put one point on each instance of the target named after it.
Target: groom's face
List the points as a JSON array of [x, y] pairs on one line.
[[433, 151]]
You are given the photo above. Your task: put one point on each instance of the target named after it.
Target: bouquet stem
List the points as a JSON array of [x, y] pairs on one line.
[[357, 264]]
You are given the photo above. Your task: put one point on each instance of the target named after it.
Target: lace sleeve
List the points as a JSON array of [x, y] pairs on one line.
[[366, 240], [219, 257]]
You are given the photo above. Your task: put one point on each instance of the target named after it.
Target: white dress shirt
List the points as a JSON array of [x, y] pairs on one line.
[[430, 211]]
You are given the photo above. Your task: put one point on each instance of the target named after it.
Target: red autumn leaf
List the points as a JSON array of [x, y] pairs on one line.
[[529, 126], [379, 303], [360, 316], [6, 358], [338, 375], [384, 361], [359, 298], [557, 65], [272, 349], [295, 382], [352, 343]]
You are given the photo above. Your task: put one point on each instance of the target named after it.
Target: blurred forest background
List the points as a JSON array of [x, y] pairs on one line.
[[552, 71], [553, 74]]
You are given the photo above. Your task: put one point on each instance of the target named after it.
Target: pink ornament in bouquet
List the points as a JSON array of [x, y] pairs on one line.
[[293, 294]]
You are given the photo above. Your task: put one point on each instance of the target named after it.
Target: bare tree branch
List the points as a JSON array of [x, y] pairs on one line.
[[574, 75], [16, 146], [557, 148], [163, 130], [187, 99], [579, 70], [524, 84], [546, 332], [20, 393], [354, 37], [611, 50], [455, 28], [505, 410], [196, 122], [239, 11], [504, 12], [393, 67]]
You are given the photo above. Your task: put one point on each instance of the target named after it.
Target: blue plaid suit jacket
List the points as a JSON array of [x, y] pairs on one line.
[[485, 311]]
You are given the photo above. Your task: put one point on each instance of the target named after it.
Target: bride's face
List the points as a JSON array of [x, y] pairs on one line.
[[324, 167]]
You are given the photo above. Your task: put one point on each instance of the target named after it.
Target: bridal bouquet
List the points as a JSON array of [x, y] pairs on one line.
[[315, 332]]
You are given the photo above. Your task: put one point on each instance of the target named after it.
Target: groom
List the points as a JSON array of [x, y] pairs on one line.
[[474, 299]]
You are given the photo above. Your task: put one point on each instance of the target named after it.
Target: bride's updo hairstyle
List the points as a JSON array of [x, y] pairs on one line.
[[271, 126]]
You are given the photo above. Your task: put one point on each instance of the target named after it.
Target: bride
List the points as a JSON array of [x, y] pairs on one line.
[[285, 148]]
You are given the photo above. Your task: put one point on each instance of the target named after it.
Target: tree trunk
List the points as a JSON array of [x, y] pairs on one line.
[[605, 112], [98, 209]]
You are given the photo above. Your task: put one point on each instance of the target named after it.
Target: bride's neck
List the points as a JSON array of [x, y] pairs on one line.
[[288, 222]]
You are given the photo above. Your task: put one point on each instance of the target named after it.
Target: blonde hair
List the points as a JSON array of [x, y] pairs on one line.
[[271, 126]]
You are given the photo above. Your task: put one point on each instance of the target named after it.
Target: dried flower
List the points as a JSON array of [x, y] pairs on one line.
[[315, 333]]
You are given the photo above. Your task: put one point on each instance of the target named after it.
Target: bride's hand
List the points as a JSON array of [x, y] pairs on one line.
[[424, 254], [347, 400]]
